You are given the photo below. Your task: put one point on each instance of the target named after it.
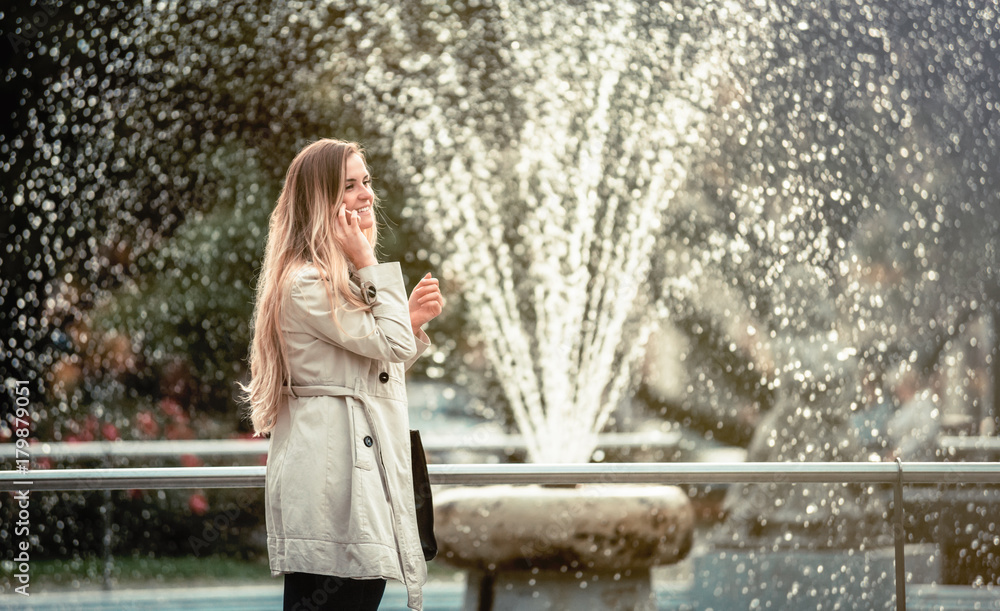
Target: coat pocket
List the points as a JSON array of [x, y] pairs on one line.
[[362, 440]]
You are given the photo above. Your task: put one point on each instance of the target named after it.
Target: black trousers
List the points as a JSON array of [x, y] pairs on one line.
[[309, 592]]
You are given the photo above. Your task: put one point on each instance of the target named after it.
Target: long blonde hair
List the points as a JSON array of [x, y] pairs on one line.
[[301, 232]]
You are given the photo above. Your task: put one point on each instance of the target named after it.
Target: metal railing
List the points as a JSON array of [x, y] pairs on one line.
[[901, 473], [959, 446], [897, 474], [432, 442]]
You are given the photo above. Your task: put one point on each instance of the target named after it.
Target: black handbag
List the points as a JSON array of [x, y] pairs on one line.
[[422, 497]]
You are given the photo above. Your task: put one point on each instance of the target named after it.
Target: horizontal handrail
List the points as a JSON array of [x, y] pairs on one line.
[[432, 442], [482, 474], [717, 473], [160, 448]]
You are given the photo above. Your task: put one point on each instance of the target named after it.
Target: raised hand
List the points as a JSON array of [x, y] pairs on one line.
[[353, 242], [426, 302]]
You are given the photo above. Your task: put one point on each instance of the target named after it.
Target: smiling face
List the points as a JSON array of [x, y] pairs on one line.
[[358, 194]]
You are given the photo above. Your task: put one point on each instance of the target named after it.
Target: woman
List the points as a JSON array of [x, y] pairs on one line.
[[333, 335]]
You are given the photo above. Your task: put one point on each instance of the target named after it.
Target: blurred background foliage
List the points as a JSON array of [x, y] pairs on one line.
[[142, 161]]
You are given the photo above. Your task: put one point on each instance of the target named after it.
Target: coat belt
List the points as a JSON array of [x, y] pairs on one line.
[[323, 390]]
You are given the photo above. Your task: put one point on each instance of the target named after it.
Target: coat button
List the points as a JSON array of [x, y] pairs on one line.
[[368, 441], [372, 291], [383, 377]]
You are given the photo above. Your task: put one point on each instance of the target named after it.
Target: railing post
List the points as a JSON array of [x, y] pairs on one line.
[[107, 540], [899, 535]]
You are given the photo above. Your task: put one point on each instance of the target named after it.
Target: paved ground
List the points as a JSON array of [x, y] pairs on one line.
[[438, 596]]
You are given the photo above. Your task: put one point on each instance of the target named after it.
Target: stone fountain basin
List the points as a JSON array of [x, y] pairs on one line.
[[600, 528]]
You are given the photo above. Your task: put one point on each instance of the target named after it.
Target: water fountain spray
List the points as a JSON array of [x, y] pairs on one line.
[[550, 228]]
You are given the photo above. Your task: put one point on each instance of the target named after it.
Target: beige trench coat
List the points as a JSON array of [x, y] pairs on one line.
[[339, 491]]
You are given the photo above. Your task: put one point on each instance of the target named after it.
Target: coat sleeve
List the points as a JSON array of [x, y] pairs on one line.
[[423, 343], [384, 333]]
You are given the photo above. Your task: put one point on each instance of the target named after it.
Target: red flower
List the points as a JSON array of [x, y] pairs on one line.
[[147, 424], [92, 424], [198, 503], [110, 431], [174, 410]]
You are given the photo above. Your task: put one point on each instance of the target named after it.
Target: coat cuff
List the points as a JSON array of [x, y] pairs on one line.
[[423, 343]]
